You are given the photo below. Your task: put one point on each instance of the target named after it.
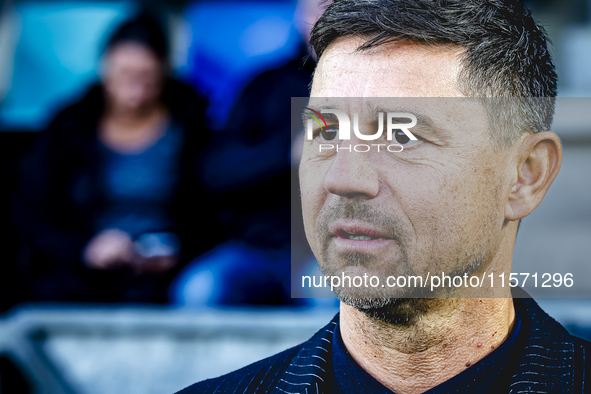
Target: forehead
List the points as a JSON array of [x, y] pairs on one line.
[[131, 53], [397, 69]]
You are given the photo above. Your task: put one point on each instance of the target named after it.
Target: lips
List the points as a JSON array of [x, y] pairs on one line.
[[357, 231], [349, 236]]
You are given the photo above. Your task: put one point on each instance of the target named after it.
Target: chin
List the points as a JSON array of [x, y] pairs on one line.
[[397, 311]]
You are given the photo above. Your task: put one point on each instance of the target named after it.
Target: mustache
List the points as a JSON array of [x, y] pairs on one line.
[[363, 211]]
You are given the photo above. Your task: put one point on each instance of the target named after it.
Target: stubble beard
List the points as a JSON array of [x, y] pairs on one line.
[[400, 306], [410, 304]]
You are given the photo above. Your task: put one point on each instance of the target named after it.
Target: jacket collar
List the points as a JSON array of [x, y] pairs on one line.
[[546, 363], [310, 371]]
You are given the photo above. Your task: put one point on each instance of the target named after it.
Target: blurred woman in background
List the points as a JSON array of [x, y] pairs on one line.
[[111, 200]]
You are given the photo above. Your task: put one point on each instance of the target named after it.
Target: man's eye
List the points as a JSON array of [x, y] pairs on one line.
[[401, 137], [327, 134]]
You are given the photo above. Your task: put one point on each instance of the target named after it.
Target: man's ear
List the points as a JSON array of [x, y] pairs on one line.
[[540, 156]]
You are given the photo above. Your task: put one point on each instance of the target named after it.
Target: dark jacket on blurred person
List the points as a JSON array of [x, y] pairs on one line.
[[250, 168], [62, 194]]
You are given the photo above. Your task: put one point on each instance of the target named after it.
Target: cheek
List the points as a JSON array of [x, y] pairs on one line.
[[464, 213], [313, 196], [111, 87], [444, 203], [152, 87], [426, 202]]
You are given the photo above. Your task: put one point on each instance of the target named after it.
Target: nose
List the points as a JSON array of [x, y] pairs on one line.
[[351, 175]]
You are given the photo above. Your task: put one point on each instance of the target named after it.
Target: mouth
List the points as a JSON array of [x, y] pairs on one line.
[[357, 231], [356, 237]]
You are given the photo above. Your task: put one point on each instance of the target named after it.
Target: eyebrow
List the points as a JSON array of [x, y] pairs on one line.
[[318, 108], [330, 118]]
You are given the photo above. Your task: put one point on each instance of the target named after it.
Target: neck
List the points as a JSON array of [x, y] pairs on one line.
[[127, 132], [449, 337], [137, 118]]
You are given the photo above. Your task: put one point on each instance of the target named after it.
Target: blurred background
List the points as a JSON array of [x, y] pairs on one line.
[[145, 188]]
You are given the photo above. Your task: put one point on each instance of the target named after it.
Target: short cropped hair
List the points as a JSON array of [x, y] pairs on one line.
[[506, 51]]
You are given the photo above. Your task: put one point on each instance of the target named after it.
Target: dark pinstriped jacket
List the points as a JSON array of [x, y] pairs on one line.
[[552, 361]]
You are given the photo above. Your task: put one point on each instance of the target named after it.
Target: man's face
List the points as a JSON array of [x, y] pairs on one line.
[[437, 206]]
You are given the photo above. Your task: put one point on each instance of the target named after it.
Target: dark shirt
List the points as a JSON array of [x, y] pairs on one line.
[[488, 375], [139, 187]]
